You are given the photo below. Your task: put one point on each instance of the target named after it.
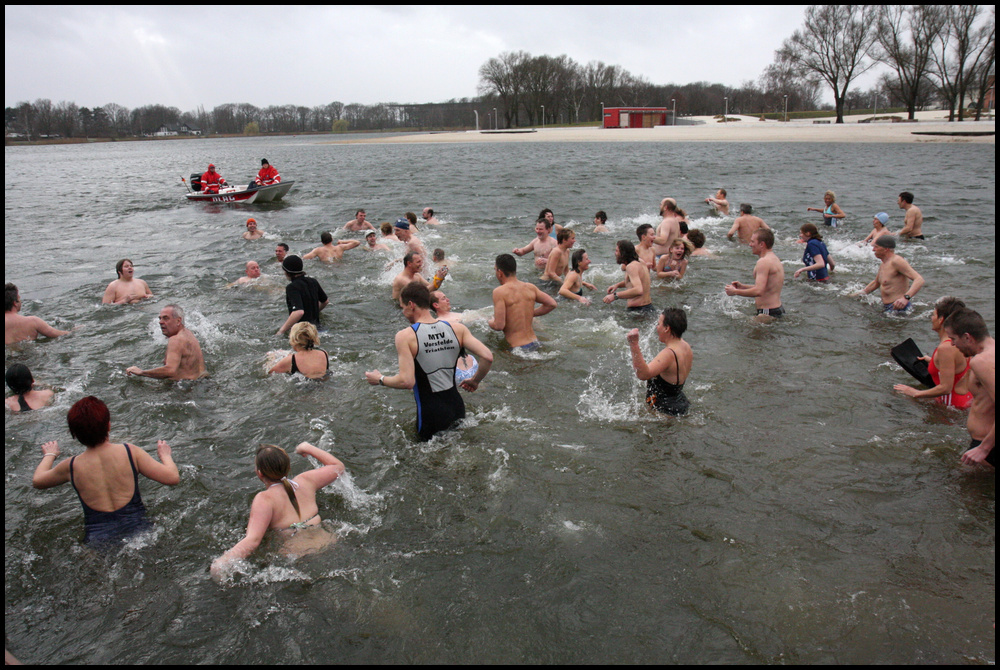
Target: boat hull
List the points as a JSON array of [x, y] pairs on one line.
[[244, 195]]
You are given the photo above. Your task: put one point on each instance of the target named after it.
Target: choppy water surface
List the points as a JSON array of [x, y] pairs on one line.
[[801, 513]]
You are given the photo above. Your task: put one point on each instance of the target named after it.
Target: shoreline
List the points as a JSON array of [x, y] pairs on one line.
[[748, 129]]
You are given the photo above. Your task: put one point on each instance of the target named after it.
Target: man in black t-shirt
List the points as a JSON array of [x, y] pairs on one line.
[[303, 295]]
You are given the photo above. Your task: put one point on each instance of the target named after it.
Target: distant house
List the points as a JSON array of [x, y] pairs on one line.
[[169, 130]]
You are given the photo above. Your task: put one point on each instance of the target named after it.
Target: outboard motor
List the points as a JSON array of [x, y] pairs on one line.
[[196, 182]]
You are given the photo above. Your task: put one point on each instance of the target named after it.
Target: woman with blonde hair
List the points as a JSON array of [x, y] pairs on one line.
[[832, 213], [306, 358], [286, 505]]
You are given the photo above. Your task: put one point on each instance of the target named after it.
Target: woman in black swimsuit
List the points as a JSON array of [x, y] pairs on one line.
[[306, 358], [105, 476], [665, 375], [25, 397]]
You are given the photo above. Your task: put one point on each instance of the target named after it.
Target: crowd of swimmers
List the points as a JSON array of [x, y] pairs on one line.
[[438, 354]]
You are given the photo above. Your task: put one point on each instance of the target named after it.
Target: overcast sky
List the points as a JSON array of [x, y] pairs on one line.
[[185, 55]]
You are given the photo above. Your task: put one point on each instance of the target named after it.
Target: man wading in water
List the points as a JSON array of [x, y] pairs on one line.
[[428, 351]]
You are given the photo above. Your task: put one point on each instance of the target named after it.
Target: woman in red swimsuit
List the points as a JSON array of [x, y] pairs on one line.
[[947, 366]]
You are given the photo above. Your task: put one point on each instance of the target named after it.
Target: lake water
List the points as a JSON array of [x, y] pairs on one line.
[[801, 513]]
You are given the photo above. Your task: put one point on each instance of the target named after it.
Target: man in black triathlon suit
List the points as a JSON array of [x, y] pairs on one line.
[[428, 351]]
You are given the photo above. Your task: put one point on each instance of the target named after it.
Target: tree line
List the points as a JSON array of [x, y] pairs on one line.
[[934, 54]]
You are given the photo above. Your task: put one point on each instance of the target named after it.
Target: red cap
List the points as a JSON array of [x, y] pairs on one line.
[[210, 165]]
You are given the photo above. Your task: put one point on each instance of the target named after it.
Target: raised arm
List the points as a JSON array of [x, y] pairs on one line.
[[48, 474], [326, 473], [163, 471]]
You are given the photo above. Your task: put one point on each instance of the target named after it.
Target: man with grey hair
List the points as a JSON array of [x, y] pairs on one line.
[[183, 359], [896, 281]]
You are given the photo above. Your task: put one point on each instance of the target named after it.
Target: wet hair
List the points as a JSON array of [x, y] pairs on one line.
[[765, 236], [541, 214], [811, 230], [386, 228], [671, 206], [641, 230], [283, 246], [89, 421], [746, 208], [602, 215], [360, 211], [947, 306], [683, 225], [417, 293], [325, 238], [627, 251], [967, 321], [564, 235], [437, 255], [697, 238], [907, 197], [273, 463], [411, 217], [120, 264], [19, 378], [687, 246], [545, 222], [435, 299], [177, 311], [833, 196], [577, 258], [429, 211], [409, 257], [676, 319], [10, 296], [506, 264], [303, 336], [723, 192]]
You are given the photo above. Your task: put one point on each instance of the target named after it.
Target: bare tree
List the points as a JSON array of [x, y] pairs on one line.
[[906, 37], [986, 74], [833, 45], [957, 54]]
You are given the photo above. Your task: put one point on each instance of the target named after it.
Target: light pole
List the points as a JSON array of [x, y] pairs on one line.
[[477, 119], [602, 115], [726, 113], [875, 110], [786, 109], [673, 102], [543, 117], [496, 123]]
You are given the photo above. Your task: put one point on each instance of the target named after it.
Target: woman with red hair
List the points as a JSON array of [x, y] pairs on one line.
[[105, 476]]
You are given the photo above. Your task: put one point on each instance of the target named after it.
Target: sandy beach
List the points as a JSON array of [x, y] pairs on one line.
[[747, 129]]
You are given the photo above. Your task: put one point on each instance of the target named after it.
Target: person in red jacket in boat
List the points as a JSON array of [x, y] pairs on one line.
[[268, 175], [212, 180]]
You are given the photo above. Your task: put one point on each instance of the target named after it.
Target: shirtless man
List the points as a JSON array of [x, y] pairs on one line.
[[669, 228], [413, 263], [371, 242], [184, 359], [17, 328], [572, 288], [968, 331], [514, 305], [252, 273], [914, 222], [768, 275], [358, 222], [550, 221], [405, 235], [280, 252], [429, 217], [558, 262], [330, 252], [892, 277], [542, 245], [645, 233], [441, 305], [746, 224], [127, 289], [252, 232], [719, 202], [636, 283]]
